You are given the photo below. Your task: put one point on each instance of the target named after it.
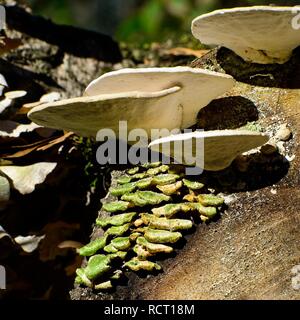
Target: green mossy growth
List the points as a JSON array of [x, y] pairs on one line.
[[170, 189], [92, 247], [163, 179], [97, 266], [117, 220], [141, 253], [110, 248], [210, 200], [169, 210], [81, 278], [143, 234], [151, 165], [153, 248], [162, 236], [121, 255], [209, 212], [121, 243], [144, 183], [116, 206], [154, 171], [138, 265], [193, 185], [104, 285], [143, 198], [133, 170], [170, 224], [124, 180], [117, 231], [122, 189]]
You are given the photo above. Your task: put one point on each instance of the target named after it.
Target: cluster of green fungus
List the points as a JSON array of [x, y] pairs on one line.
[[154, 206]]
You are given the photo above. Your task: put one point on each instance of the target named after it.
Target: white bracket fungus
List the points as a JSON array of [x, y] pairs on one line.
[[221, 147], [259, 34], [147, 98]]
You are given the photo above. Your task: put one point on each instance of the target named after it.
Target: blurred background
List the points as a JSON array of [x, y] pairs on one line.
[[136, 20]]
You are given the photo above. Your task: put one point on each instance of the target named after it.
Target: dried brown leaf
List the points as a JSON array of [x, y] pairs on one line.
[[56, 233], [70, 244]]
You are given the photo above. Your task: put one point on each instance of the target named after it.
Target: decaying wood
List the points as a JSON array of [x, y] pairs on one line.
[[250, 251]]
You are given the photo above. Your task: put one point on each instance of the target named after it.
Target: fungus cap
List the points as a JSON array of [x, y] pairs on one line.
[[15, 94], [87, 115], [259, 34], [198, 86], [154, 98], [220, 146]]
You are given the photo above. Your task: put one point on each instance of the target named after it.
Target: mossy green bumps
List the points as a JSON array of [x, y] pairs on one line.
[[137, 225], [116, 206], [117, 231], [138, 265], [97, 266], [93, 247], [193, 185], [117, 220], [153, 248], [162, 236], [143, 198]]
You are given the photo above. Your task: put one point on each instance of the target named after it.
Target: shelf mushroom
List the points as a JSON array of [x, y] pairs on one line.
[[259, 34], [9, 98], [217, 149], [147, 98]]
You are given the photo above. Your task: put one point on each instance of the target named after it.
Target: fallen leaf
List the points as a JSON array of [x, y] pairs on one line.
[[56, 233], [37, 146], [70, 244], [34, 144], [8, 44], [185, 52], [55, 141], [25, 178], [29, 243], [3, 81], [21, 153], [4, 190], [5, 103], [14, 129], [18, 151], [46, 98], [3, 233]]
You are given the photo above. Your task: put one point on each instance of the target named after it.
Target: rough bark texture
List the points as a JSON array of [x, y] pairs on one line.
[[53, 57], [70, 39]]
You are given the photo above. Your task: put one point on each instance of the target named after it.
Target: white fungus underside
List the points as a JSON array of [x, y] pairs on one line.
[[258, 34], [220, 146], [198, 86]]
